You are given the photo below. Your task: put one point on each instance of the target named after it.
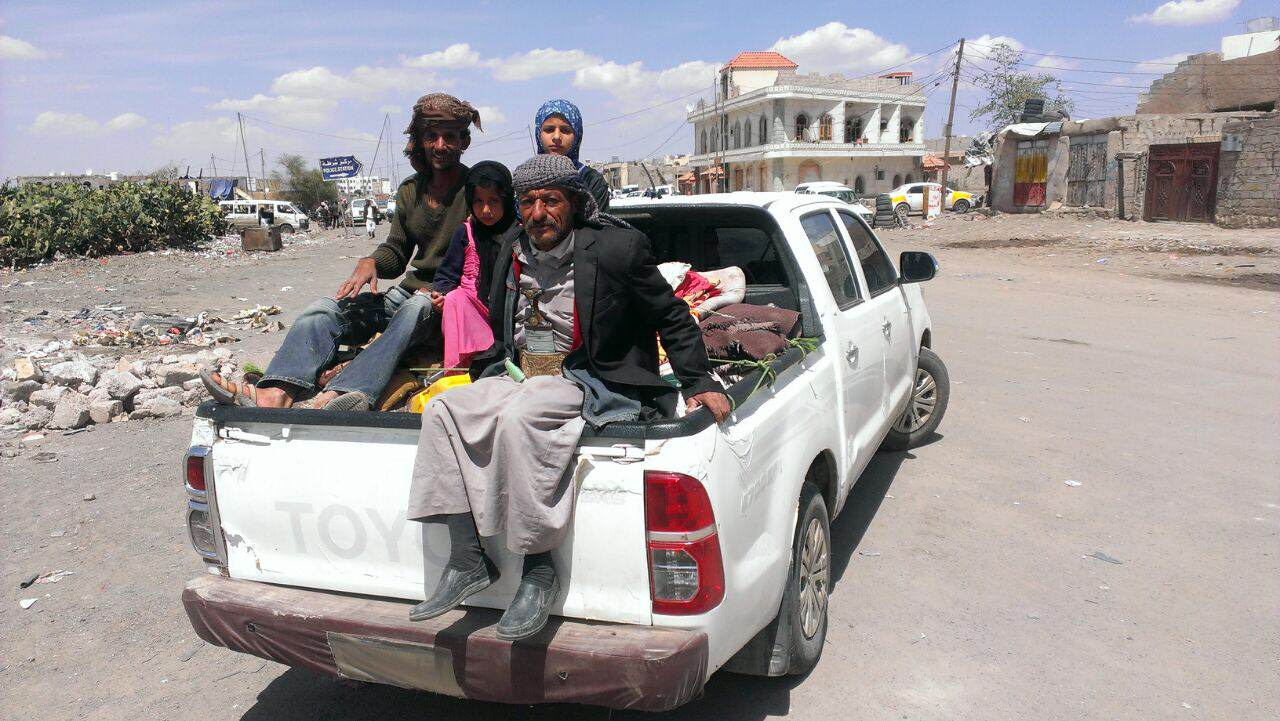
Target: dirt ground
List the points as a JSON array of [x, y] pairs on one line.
[[971, 580]]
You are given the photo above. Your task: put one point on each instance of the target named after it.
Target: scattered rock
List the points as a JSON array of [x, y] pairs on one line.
[[72, 411], [73, 373], [27, 369], [124, 385], [45, 457], [157, 407], [193, 396], [15, 391], [104, 410], [99, 394], [10, 416], [176, 374], [49, 397], [90, 497], [192, 384], [36, 417], [146, 395], [27, 603]]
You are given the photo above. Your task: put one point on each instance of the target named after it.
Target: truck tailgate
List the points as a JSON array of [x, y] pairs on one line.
[[323, 507]]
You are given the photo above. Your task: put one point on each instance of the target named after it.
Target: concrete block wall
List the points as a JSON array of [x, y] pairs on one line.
[[1249, 179]]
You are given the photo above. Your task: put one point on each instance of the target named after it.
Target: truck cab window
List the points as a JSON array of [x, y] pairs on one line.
[[825, 239], [875, 262]]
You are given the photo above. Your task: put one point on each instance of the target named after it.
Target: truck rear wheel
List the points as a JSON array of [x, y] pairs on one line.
[[809, 583], [930, 392]]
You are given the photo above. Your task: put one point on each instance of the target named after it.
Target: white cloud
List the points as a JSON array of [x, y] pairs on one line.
[[986, 42], [302, 111], [1188, 12], [1166, 64], [454, 57], [1054, 62], [836, 47], [52, 122], [198, 137], [539, 63], [633, 83], [490, 115], [126, 121], [15, 49]]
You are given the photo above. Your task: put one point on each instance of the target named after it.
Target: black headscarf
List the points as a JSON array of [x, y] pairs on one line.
[[487, 237]]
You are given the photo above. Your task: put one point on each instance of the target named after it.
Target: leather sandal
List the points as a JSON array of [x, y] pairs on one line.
[[228, 393]]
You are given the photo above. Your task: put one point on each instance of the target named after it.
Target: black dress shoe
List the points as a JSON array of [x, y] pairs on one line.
[[454, 588], [528, 612]]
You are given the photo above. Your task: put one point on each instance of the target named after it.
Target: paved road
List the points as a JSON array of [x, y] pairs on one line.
[[965, 588]]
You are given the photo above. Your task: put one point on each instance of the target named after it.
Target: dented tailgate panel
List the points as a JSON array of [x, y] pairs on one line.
[[323, 507]]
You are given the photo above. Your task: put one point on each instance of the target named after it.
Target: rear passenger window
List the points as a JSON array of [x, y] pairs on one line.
[[876, 266], [824, 238], [751, 250]]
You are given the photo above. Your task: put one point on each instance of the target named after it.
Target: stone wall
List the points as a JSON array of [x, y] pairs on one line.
[[1249, 179], [1206, 83]]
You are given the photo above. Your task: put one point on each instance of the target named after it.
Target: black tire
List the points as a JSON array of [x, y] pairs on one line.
[[961, 206], [286, 228], [903, 211], [906, 434], [805, 640], [884, 202]]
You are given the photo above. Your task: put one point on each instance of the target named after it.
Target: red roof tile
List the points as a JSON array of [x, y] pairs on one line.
[[767, 59]]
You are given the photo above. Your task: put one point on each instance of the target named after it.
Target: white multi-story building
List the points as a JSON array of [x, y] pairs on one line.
[[770, 128], [364, 185]]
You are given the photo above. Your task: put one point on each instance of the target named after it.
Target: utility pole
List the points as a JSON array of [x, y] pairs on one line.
[[951, 111], [243, 147], [373, 163], [262, 159], [214, 162]]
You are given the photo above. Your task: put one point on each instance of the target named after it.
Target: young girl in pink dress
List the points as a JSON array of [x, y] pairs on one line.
[[460, 289]]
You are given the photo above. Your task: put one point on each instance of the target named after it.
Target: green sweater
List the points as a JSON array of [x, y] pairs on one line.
[[419, 234]]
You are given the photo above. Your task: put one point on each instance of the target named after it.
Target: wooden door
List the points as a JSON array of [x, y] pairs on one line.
[[1087, 171], [1182, 182]]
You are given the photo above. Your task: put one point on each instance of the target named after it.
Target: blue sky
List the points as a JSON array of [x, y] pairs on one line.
[[129, 86]]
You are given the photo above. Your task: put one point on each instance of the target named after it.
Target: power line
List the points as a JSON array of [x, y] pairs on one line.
[[1101, 60]]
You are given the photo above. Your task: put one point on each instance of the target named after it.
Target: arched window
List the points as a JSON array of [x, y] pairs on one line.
[[736, 134], [703, 146], [897, 180], [859, 186], [824, 127], [715, 142], [852, 130], [905, 129], [746, 134], [909, 179], [802, 127], [764, 130]]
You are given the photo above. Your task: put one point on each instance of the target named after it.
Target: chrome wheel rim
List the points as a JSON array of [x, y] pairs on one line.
[[924, 399], [813, 578]]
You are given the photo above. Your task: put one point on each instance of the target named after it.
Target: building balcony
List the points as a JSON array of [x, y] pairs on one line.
[[810, 149]]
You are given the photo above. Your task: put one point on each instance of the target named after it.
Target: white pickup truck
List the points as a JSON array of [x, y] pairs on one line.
[[693, 547]]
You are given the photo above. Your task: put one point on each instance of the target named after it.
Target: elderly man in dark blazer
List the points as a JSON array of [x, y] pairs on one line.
[[577, 321]]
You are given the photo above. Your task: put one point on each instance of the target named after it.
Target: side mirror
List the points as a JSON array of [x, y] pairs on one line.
[[916, 266]]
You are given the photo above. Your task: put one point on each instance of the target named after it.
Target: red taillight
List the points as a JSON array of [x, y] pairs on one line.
[[195, 473], [686, 573]]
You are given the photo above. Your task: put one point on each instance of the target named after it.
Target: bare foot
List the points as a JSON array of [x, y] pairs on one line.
[[272, 398]]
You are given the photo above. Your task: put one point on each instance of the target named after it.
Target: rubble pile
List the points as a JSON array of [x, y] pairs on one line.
[[69, 390]]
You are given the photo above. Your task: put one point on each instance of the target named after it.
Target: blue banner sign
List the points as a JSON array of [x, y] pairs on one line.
[[343, 166]]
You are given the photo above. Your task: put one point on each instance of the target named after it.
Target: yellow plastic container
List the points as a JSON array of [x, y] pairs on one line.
[[420, 400]]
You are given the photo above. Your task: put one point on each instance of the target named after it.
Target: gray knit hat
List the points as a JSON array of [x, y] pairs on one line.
[[557, 171]]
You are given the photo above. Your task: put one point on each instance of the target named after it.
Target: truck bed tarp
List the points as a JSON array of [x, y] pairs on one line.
[[221, 189]]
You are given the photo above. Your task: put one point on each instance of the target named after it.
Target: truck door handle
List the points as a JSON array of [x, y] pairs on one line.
[[887, 328], [851, 355]]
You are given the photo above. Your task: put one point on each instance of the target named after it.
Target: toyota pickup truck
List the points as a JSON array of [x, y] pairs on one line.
[[694, 547]]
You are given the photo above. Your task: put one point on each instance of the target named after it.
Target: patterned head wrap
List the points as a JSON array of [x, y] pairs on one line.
[[569, 112], [558, 171]]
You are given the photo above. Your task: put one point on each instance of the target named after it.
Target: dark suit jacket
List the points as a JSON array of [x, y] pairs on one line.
[[622, 302]]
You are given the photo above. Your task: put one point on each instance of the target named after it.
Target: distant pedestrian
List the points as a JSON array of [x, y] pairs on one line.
[[370, 216]]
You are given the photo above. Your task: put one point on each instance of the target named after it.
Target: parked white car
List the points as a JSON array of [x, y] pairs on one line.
[[909, 198], [839, 191], [694, 547], [246, 214]]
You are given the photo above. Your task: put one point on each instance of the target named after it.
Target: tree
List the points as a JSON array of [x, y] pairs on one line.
[[1008, 89], [304, 185]]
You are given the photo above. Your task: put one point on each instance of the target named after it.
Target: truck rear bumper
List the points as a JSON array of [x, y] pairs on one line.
[[614, 665]]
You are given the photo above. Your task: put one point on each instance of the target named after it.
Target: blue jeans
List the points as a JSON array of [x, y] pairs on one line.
[[400, 315]]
